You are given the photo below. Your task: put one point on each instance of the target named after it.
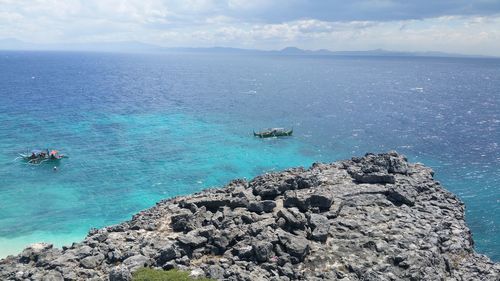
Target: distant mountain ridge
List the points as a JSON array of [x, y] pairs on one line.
[[138, 47]]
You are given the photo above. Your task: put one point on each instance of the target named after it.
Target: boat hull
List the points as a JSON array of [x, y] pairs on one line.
[[273, 134], [40, 159]]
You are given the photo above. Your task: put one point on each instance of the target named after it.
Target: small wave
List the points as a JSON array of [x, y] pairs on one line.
[[405, 146], [249, 92]]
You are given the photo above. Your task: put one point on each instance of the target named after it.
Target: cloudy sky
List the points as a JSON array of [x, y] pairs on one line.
[[460, 26]]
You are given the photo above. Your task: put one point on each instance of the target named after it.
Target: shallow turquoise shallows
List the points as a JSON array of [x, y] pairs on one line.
[[140, 128]]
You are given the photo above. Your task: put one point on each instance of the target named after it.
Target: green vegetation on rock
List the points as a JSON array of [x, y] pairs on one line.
[[149, 274]]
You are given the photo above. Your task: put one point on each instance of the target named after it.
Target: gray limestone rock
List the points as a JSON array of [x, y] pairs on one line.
[[295, 245], [402, 194], [375, 217], [293, 218], [192, 239], [166, 253], [374, 178], [262, 250], [92, 261], [34, 252], [120, 273], [52, 276], [215, 272], [243, 251], [264, 206], [135, 262], [320, 226], [308, 199]]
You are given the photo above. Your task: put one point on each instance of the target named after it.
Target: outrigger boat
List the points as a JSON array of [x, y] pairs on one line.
[[273, 132], [38, 156]]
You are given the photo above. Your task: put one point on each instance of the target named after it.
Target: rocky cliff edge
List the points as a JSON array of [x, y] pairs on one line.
[[377, 217]]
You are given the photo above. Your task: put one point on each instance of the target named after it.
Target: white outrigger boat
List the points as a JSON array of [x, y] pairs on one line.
[[273, 132]]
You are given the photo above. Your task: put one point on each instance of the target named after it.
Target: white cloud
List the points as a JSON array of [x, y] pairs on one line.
[[248, 5], [10, 17], [211, 22]]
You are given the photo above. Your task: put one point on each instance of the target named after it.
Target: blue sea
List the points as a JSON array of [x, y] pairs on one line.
[[139, 128]]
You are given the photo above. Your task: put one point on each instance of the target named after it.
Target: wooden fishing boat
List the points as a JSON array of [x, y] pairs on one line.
[[273, 132], [38, 156]]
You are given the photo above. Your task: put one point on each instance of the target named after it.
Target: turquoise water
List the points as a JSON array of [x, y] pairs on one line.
[[140, 128], [121, 164]]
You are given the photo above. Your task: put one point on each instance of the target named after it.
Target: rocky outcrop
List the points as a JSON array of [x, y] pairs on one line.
[[372, 218]]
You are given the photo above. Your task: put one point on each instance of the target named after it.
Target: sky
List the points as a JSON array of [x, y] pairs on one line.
[[454, 26]]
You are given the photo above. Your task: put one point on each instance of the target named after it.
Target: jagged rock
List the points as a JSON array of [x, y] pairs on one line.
[[167, 253], [52, 276], [308, 199], [260, 226], [262, 250], [192, 239], [295, 246], [83, 251], [118, 228], [271, 185], [92, 261], [212, 201], [320, 226], [215, 272], [265, 206], [293, 217], [120, 273], [379, 169], [402, 194], [381, 178], [135, 262], [181, 220], [375, 217], [243, 251], [115, 256], [238, 202], [34, 252], [220, 241]]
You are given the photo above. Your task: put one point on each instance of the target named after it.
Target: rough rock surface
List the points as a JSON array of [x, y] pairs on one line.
[[372, 218]]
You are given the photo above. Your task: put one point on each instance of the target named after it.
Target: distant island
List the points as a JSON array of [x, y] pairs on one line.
[[138, 47]]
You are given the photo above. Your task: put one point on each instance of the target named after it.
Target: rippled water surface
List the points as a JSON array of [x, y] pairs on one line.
[[139, 128]]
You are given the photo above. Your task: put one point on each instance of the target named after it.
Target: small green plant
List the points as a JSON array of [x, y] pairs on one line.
[[149, 274]]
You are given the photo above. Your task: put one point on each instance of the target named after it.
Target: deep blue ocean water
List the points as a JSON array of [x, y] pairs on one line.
[[140, 128]]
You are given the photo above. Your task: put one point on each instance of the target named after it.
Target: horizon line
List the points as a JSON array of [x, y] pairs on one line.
[[141, 47]]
